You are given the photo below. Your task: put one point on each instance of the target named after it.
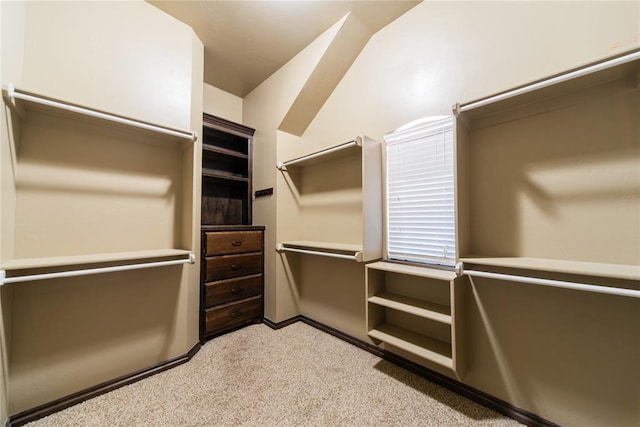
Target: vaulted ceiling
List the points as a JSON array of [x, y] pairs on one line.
[[247, 41]]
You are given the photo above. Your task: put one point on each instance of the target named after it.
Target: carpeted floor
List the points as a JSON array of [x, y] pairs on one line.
[[295, 376]]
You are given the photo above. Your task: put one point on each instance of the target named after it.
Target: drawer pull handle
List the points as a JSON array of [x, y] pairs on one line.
[[236, 267], [236, 313], [237, 243], [236, 291]]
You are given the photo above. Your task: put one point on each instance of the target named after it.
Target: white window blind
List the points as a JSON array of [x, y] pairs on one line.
[[420, 193]]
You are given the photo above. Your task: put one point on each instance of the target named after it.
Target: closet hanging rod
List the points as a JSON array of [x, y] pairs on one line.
[[13, 94], [283, 165], [551, 81], [355, 257], [556, 283], [72, 273]]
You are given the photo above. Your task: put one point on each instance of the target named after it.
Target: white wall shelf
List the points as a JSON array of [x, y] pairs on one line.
[[417, 310], [335, 200], [27, 101], [94, 264], [548, 175], [79, 260], [94, 189], [597, 269], [325, 155], [421, 345]]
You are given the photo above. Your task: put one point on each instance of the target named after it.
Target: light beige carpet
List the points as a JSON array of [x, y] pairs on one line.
[[295, 376]]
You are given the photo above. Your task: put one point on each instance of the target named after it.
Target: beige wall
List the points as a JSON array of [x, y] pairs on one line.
[[440, 53], [223, 104], [538, 349], [264, 109], [71, 334]]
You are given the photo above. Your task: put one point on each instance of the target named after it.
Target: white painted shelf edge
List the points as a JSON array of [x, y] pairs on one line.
[[413, 270], [427, 310], [614, 271], [421, 345]]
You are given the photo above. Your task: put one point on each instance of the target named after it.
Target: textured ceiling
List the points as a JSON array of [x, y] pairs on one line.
[[247, 41]]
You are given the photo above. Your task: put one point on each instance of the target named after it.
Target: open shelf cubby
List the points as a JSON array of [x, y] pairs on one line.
[[417, 310]]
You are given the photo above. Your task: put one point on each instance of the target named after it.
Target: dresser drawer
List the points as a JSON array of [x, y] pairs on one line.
[[225, 291], [228, 266], [234, 314], [233, 242]]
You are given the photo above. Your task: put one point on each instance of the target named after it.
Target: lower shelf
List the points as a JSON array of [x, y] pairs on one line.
[[421, 345], [119, 258]]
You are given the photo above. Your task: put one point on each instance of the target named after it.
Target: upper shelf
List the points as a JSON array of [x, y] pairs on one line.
[[614, 271], [413, 270], [35, 269], [24, 100], [323, 155], [621, 67], [328, 249]]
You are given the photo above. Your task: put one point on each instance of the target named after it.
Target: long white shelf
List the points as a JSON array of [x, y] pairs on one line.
[[87, 263], [413, 270], [329, 249], [531, 90], [79, 260], [614, 271], [322, 155], [29, 100], [421, 345], [427, 310]]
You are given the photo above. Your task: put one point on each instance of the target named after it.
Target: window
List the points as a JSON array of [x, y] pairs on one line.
[[420, 193]]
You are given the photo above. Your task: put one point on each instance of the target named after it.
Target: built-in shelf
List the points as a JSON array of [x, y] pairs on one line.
[[428, 310], [421, 345], [79, 260], [326, 155], [334, 195], [324, 246], [417, 310], [614, 271], [223, 175], [543, 181], [414, 270], [224, 151], [226, 172], [29, 101], [330, 249]]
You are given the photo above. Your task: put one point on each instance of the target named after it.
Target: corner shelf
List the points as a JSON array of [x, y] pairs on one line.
[[417, 310]]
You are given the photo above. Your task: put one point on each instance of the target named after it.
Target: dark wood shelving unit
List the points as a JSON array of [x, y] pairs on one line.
[[226, 172], [232, 282]]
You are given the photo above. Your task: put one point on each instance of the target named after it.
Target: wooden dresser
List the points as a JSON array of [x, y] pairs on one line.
[[232, 280]]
